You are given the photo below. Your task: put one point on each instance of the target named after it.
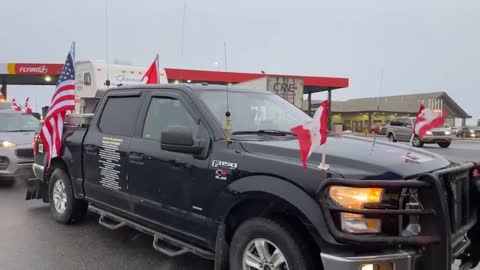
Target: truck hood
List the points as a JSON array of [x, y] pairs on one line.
[[354, 157], [19, 138]]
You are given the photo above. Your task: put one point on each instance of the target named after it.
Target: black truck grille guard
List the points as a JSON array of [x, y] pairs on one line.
[[445, 219]]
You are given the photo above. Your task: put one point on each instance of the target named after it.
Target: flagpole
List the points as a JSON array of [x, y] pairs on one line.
[[158, 68], [323, 166]]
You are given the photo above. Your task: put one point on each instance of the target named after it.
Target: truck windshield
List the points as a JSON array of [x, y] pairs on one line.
[[17, 122], [252, 111]]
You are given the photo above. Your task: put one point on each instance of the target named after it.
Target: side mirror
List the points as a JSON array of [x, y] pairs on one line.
[[180, 139]]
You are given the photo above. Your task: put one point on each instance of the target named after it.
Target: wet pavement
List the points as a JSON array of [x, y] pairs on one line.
[[31, 239]]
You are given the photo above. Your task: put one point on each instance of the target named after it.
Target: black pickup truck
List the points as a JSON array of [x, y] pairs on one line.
[[157, 158]]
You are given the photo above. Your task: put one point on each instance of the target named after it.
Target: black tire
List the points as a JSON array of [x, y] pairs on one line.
[[417, 142], [291, 244], [444, 144], [75, 209], [391, 138]]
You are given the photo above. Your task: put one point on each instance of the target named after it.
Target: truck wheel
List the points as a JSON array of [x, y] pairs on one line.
[[262, 243], [391, 138], [444, 144], [64, 207], [417, 142]]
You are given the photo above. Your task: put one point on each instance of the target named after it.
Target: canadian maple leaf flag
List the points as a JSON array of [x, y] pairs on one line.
[[15, 106], [151, 76], [28, 109], [312, 134], [427, 119]]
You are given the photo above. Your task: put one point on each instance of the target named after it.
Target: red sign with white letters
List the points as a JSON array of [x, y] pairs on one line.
[[38, 69]]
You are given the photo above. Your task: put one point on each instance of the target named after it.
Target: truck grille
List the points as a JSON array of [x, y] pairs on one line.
[[438, 133], [25, 153], [3, 163], [457, 187]]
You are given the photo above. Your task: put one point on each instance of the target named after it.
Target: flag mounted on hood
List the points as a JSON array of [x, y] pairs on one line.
[[313, 134], [151, 76], [28, 109], [15, 106], [427, 119]]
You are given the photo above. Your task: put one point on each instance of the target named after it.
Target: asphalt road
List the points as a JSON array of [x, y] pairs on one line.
[[30, 239]]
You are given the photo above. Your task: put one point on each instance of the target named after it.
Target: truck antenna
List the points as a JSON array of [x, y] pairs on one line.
[[227, 127], [380, 89], [107, 82]]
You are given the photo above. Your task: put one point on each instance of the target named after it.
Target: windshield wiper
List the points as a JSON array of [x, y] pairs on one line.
[[264, 131]]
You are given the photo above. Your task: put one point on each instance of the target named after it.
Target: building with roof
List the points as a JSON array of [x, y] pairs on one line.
[[359, 114]]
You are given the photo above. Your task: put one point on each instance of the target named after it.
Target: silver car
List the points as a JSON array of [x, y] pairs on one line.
[[16, 152], [401, 128]]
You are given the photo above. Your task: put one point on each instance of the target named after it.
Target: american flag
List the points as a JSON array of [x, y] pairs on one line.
[[63, 100]]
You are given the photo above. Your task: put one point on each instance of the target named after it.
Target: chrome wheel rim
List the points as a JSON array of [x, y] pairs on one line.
[[59, 196], [262, 254]]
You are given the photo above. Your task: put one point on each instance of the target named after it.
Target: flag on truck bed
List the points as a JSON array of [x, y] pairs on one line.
[[63, 100], [151, 75]]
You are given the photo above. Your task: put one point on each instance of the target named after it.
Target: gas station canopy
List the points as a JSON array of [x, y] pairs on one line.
[[47, 74]]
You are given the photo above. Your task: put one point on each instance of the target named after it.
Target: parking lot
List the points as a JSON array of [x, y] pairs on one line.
[[30, 239]]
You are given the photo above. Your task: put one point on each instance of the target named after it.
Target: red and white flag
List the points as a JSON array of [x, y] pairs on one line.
[[63, 100], [427, 119], [15, 106], [313, 134], [28, 109], [151, 76]]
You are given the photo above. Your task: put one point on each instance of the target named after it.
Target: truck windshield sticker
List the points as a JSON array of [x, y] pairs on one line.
[[109, 160]]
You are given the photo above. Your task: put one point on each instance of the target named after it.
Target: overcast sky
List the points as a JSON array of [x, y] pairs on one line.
[[422, 46]]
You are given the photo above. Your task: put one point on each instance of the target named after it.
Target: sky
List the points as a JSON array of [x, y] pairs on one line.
[[419, 46]]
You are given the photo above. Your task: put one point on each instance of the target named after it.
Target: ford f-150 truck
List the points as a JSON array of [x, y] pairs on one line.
[[160, 159]]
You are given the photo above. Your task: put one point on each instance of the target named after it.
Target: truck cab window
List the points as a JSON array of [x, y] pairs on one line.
[[87, 79], [119, 117], [163, 113]]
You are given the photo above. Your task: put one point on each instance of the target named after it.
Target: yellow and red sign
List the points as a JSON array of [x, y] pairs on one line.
[[31, 69]]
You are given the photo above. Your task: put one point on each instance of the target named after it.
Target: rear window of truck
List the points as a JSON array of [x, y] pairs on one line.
[[119, 116]]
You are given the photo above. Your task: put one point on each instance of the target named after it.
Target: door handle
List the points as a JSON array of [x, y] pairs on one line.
[[91, 149], [136, 157]]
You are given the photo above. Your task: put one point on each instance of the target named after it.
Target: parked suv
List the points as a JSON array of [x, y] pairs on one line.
[[16, 152], [401, 128]]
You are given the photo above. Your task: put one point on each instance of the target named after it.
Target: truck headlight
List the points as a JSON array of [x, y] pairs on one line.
[[428, 133], [448, 132], [472, 131], [357, 198], [7, 144]]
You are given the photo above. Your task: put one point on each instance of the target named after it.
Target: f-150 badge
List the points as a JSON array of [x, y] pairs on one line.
[[224, 164], [224, 169]]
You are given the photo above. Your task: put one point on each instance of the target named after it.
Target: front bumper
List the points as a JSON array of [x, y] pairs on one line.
[[17, 167], [446, 216], [404, 260], [436, 139]]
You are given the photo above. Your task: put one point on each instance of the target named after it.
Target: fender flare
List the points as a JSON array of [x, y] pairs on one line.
[[66, 164], [277, 187]]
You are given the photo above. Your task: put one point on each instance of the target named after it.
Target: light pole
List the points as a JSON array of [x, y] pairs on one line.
[[217, 64]]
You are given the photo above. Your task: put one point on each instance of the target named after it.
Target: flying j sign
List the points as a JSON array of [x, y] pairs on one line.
[[33, 69]]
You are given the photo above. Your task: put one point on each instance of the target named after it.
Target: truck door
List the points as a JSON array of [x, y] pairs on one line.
[[162, 181], [105, 151]]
